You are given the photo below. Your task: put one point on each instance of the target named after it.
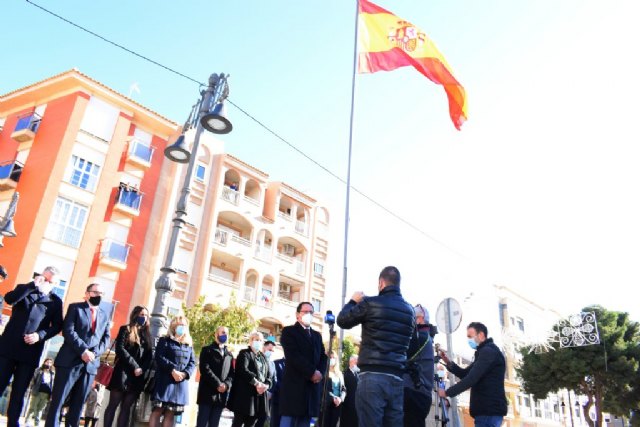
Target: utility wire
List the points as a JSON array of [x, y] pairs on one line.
[[254, 119]]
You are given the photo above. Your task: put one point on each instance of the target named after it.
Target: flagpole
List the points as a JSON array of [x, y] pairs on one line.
[[348, 192]]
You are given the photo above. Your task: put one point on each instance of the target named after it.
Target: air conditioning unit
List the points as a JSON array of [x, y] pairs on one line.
[[288, 249]]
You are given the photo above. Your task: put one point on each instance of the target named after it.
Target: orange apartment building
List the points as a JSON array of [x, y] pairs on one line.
[[97, 197], [87, 163]]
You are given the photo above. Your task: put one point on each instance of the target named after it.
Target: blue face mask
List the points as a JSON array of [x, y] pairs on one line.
[[180, 330], [472, 343], [257, 345], [141, 320], [222, 339]]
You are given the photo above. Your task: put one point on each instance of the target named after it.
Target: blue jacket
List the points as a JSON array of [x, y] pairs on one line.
[[32, 312], [171, 355], [78, 337]]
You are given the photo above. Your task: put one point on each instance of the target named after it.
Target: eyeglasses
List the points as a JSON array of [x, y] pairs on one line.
[[306, 311]]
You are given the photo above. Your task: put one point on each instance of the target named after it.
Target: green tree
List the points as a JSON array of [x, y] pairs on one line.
[[607, 374], [205, 318], [349, 348]]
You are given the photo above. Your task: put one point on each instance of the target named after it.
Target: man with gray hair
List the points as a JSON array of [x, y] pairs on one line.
[[36, 316]]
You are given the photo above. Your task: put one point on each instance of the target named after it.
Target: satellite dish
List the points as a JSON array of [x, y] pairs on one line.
[[448, 316]]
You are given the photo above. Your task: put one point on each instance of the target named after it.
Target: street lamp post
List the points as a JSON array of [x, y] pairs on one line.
[[210, 116]]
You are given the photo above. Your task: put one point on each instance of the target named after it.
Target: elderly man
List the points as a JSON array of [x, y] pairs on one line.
[[36, 316]]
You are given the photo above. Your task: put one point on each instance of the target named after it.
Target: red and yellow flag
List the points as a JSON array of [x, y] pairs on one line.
[[387, 42]]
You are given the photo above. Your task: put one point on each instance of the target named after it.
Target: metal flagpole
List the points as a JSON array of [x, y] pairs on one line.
[[348, 192]]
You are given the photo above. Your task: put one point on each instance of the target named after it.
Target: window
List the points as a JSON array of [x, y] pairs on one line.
[[61, 289], [100, 119], [520, 324], [317, 305], [200, 170], [82, 173], [67, 222], [318, 269]]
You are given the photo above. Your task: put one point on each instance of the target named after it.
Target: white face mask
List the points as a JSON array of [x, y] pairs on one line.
[[306, 319], [267, 354], [332, 362]]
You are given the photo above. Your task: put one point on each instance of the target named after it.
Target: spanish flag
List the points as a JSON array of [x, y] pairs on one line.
[[387, 42]]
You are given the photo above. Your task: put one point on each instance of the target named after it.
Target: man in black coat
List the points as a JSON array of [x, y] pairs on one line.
[[485, 378], [349, 416], [387, 325], [301, 388], [216, 376], [86, 336], [36, 316]]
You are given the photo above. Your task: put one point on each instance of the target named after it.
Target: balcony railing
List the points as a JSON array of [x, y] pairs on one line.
[[114, 251], [251, 200], [266, 300], [241, 240], [263, 253], [284, 215], [286, 299], [249, 294], [130, 199], [301, 228], [28, 122], [224, 280], [140, 152], [299, 267], [10, 173], [284, 257], [221, 237], [230, 195]]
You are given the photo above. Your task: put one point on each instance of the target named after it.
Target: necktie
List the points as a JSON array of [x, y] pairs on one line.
[[93, 320], [309, 332]]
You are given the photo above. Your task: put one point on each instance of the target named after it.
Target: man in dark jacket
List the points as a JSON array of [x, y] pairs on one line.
[[301, 388], [387, 325], [216, 376], [36, 316], [485, 378], [418, 380]]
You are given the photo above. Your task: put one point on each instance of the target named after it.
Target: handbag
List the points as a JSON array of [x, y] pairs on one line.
[[105, 370]]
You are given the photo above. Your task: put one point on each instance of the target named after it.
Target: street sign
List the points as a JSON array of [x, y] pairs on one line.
[[448, 316]]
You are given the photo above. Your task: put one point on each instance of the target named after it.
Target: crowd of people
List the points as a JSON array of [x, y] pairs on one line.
[[389, 383]]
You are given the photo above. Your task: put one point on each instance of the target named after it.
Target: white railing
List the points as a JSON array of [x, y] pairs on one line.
[[221, 237], [249, 294], [287, 301], [252, 201], [224, 280], [241, 240], [230, 195], [284, 215], [263, 253], [301, 228], [284, 257]]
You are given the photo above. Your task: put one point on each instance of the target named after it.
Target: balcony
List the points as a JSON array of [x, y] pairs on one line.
[[299, 264], [114, 254], [301, 228], [249, 294], [223, 280], [263, 253], [128, 200], [140, 153], [26, 130], [285, 215], [230, 195], [10, 173], [266, 299]]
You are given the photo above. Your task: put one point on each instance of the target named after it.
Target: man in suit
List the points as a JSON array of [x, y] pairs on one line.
[[301, 388], [36, 316], [349, 416], [86, 337]]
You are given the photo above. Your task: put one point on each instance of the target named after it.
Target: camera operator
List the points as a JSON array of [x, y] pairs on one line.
[[418, 380]]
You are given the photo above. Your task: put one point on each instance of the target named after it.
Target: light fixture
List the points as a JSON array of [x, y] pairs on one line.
[[177, 152], [216, 120]]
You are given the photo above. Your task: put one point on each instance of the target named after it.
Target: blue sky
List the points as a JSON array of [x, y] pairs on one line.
[[538, 191]]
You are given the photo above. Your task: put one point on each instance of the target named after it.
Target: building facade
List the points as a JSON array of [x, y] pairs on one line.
[[86, 162]]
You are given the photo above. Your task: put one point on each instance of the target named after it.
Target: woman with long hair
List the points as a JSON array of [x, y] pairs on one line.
[[248, 399], [175, 364], [336, 393], [133, 360]]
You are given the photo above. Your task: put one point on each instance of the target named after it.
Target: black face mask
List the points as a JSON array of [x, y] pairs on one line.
[[95, 301]]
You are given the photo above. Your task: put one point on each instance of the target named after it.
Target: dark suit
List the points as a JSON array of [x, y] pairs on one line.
[[304, 354], [349, 417], [74, 377], [216, 368], [32, 312]]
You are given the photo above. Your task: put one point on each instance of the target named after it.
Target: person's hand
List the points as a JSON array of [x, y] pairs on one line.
[[177, 376], [261, 388], [337, 401], [137, 372], [444, 357], [316, 377], [222, 388], [87, 356], [358, 296], [31, 338], [442, 393]]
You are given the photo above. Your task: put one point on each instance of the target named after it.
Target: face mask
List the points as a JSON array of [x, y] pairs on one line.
[[306, 319], [222, 339], [95, 301], [268, 354], [472, 343], [45, 287], [332, 362], [141, 320], [256, 345], [441, 373], [45, 367], [180, 330]]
